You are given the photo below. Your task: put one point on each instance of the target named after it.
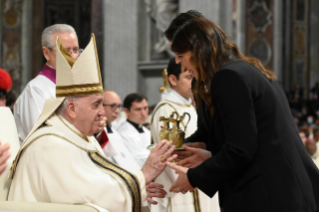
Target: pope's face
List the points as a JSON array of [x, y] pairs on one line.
[[185, 60], [68, 40], [89, 113], [138, 112]]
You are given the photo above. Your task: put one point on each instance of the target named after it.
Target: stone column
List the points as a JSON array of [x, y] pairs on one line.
[[120, 46], [26, 43], [313, 43], [278, 40]]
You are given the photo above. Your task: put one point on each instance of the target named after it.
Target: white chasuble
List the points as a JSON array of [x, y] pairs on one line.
[[58, 164], [136, 142], [178, 202], [122, 155]]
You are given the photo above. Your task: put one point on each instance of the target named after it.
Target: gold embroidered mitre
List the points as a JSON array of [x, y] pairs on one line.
[[80, 76], [165, 82]]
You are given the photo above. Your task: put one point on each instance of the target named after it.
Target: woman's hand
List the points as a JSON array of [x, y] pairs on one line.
[[4, 156], [197, 156], [181, 184], [155, 190], [184, 154]]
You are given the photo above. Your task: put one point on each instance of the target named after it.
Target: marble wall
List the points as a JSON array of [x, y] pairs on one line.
[[120, 46]]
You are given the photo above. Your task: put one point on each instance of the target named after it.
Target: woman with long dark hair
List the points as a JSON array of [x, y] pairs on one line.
[[259, 162]]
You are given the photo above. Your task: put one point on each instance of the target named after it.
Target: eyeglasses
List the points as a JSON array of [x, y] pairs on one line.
[[71, 51], [114, 107]]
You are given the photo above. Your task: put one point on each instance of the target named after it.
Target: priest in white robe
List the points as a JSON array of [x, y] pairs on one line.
[[115, 148], [177, 97], [30, 103], [61, 162], [137, 137]]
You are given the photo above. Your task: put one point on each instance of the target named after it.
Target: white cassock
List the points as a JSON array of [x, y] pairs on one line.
[[30, 103], [178, 202], [120, 154], [136, 142], [58, 164], [119, 120]]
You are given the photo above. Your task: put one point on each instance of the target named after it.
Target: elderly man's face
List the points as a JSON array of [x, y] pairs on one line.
[[89, 113], [112, 106], [68, 40]]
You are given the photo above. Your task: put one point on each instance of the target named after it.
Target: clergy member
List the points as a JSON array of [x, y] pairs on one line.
[[30, 103], [177, 96], [137, 137], [5, 86], [61, 162], [115, 147]]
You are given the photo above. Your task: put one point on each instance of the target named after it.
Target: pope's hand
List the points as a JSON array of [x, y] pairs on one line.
[[155, 162], [102, 123], [4, 155], [181, 184], [184, 154], [197, 157], [155, 190]]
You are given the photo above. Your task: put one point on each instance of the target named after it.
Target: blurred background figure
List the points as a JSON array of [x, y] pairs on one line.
[[137, 137], [116, 148], [5, 86], [31, 101]]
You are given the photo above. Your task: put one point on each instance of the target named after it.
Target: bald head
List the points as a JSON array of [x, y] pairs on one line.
[[112, 105]]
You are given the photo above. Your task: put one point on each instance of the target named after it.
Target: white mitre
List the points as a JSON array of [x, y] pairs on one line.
[[73, 78]]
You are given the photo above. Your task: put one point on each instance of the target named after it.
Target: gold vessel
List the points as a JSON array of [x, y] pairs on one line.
[[177, 135], [164, 132]]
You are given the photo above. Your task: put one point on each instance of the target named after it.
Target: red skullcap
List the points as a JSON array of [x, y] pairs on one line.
[[5, 80]]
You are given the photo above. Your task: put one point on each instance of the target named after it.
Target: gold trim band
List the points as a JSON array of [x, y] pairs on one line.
[[196, 200]]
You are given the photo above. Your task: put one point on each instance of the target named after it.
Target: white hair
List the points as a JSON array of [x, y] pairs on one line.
[[47, 39], [62, 107]]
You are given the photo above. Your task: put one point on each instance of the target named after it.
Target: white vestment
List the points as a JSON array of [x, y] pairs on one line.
[[122, 155], [178, 202], [58, 164], [136, 142], [30, 103]]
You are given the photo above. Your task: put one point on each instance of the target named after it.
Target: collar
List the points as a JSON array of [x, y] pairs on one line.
[[73, 128], [138, 127], [48, 72], [171, 95], [109, 129]]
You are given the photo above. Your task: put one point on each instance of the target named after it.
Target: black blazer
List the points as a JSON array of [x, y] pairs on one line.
[[259, 162]]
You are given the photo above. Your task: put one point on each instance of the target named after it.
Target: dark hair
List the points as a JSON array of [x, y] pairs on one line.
[[179, 21], [173, 69], [211, 51], [129, 99]]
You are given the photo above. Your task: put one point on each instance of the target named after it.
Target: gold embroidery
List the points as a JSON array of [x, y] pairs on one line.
[[60, 92], [84, 137], [182, 105], [170, 204], [130, 180], [196, 201]]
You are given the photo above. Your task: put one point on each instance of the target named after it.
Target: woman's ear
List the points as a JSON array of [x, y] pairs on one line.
[[172, 80]]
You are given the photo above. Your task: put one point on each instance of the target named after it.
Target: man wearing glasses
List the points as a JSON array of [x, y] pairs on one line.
[[115, 148], [30, 103]]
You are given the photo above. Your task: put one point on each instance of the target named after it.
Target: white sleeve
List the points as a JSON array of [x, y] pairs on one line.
[[28, 109]]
